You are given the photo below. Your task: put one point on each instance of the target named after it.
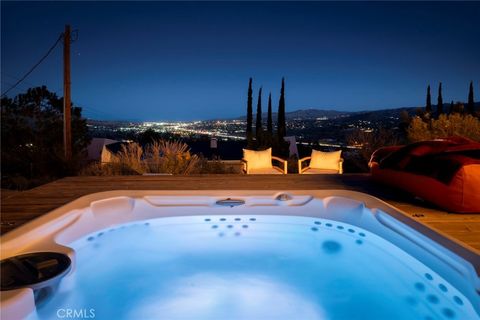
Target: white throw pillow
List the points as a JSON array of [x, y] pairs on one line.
[[325, 160], [258, 159]]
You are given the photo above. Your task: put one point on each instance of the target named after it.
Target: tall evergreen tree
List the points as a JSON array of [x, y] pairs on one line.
[[258, 125], [452, 106], [471, 103], [281, 126], [428, 107], [249, 111], [269, 119], [440, 100]]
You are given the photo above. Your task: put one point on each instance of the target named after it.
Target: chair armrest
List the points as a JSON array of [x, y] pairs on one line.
[[278, 159], [300, 161], [245, 165], [340, 166], [285, 163]]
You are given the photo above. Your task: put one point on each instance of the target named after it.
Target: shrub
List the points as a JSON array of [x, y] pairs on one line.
[[418, 130], [454, 124], [368, 143]]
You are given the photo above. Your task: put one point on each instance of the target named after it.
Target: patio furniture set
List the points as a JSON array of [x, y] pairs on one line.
[[262, 162]]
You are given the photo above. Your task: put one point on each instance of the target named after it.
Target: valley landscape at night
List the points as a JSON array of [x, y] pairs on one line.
[[240, 160]]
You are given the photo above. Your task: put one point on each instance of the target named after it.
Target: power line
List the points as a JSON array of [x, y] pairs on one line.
[[15, 78], [59, 92], [35, 66], [7, 83]]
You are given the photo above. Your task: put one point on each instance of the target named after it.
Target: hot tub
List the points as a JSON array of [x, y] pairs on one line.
[[243, 255]]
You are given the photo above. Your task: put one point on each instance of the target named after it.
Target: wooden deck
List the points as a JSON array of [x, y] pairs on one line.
[[18, 208]]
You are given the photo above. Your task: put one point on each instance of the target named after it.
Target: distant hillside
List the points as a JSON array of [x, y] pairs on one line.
[[376, 115], [311, 114], [304, 114]]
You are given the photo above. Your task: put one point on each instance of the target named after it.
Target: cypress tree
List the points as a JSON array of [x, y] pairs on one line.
[[269, 119], [428, 107], [258, 125], [451, 107], [470, 105], [440, 100], [249, 111], [281, 126]]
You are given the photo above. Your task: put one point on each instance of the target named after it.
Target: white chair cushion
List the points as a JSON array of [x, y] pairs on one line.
[[325, 160], [258, 159]]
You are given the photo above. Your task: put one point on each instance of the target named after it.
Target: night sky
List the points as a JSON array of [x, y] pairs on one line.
[[187, 61]]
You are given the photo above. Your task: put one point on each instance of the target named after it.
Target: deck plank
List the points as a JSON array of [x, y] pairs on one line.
[[20, 207]]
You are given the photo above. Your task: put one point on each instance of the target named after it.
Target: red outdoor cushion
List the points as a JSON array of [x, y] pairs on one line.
[[444, 172]]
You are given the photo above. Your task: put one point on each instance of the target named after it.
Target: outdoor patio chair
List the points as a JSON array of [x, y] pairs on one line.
[[260, 162], [322, 163]]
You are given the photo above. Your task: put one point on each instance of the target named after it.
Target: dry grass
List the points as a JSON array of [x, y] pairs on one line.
[[131, 157], [107, 169], [171, 157]]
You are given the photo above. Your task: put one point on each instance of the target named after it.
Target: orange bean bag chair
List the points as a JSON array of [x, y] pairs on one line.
[[445, 172]]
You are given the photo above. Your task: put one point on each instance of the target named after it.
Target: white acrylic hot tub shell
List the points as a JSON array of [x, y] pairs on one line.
[[55, 230]]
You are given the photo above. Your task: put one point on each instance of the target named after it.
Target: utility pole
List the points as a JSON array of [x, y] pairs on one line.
[[67, 106]]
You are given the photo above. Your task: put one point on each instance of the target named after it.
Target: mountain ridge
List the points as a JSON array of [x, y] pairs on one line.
[[313, 113]]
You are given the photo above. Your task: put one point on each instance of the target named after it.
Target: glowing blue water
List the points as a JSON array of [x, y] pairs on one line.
[[243, 267]]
